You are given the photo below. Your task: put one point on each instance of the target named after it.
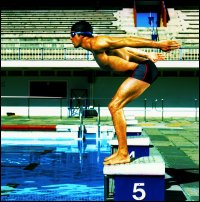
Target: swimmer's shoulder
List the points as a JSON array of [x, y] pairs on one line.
[[98, 43]]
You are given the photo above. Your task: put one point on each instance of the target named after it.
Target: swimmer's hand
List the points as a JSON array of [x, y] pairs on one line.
[[154, 57], [168, 45]]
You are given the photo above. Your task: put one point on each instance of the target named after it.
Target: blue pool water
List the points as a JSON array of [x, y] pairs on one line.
[[72, 171]]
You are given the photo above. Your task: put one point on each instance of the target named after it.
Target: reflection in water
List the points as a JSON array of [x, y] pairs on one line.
[[69, 171]]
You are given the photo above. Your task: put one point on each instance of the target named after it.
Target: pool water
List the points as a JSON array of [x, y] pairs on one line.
[[72, 171]]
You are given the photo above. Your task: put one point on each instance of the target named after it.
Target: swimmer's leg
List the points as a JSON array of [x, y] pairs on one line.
[[129, 90]]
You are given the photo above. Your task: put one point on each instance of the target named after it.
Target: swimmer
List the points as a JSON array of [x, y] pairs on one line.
[[121, 54]]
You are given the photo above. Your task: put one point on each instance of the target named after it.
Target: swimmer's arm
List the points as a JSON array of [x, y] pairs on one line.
[[103, 43], [137, 52], [154, 57]]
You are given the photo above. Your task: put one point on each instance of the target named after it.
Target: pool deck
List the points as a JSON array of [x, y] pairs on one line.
[[180, 151], [178, 142]]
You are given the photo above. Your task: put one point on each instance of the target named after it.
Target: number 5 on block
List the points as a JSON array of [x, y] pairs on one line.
[[137, 189]]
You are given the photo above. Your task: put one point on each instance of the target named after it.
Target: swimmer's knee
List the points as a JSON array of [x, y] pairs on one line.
[[114, 106]]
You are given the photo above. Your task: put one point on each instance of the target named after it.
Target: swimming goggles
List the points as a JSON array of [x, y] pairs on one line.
[[83, 33]]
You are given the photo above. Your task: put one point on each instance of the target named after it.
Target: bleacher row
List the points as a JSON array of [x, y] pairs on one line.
[[36, 29], [52, 28], [184, 26]]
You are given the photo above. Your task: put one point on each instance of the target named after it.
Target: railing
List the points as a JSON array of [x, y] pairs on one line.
[[27, 102], [35, 106], [186, 53]]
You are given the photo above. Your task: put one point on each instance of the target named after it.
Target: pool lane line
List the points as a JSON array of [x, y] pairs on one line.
[[29, 127]]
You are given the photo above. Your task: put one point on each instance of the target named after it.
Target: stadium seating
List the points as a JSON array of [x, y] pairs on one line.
[[49, 28], [184, 26], [44, 34]]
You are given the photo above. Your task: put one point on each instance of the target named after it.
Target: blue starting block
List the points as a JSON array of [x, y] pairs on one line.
[[133, 131], [138, 146], [141, 180]]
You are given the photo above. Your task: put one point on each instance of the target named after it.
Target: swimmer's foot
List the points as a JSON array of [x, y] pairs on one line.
[[110, 157], [118, 159]]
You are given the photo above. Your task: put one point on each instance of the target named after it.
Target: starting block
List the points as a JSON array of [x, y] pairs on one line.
[[131, 122], [138, 146], [91, 129], [107, 132], [140, 180], [133, 131], [130, 117], [67, 128]]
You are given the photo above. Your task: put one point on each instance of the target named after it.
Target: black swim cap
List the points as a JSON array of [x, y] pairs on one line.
[[82, 26]]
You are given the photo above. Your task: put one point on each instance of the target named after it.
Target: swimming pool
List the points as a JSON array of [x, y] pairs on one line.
[[71, 170]]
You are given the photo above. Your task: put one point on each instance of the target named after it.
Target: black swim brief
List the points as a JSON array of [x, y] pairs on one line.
[[146, 71]]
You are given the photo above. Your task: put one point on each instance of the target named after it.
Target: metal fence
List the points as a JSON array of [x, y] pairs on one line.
[[150, 107], [81, 54]]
